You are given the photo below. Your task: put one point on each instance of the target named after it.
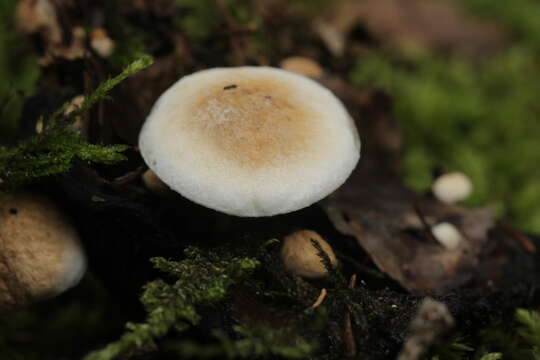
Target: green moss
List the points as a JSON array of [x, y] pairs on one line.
[[521, 16], [482, 119], [203, 18], [255, 341], [200, 18], [517, 340], [54, 150], [492, 356], [529, 328], [199, 280]]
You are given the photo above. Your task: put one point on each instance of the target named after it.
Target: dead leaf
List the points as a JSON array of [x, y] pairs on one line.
[[410, 25], [376, 207], [40, 17]]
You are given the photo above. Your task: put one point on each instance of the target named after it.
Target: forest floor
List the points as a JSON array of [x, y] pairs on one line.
[[434, 87]]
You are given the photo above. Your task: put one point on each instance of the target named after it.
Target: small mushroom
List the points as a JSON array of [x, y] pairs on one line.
[[302, 66], [447, 235], [250, 141], [153, 183], [40, 252], [102, 44], [452, 187], [301, 258]]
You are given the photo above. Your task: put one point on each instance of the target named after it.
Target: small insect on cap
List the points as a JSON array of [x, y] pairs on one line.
[[40, 251], [250, 141]]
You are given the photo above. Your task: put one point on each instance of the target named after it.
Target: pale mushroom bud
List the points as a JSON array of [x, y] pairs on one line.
[[250, 141], [80, 122], [302, 66], [40, 251], [452, 187], [301, 258], [39, 125], [74, 104], [102, 44], [447, 235], [153, 183]]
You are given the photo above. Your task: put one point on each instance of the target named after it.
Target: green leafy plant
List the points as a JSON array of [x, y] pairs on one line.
[[492, 356], [519, 340], [200, 279], [452, 349], [255, 341], [529, 330], [54, 150]]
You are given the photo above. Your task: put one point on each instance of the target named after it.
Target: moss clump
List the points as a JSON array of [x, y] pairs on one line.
[[54, 150], [517, 340], [255, 341], [199, 280]]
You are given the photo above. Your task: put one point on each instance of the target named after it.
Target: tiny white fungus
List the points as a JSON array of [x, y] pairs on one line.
[[447, 234], [452, 187]]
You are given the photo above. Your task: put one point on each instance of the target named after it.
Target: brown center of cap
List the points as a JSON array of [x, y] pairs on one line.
[[253, 123]]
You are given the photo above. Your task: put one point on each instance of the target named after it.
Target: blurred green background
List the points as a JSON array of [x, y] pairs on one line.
[[479, 117]]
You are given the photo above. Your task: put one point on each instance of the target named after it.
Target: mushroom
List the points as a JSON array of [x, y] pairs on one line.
[[102, 44], [301, 258], [447, 235], [250, 141], [303, 66], [40, 252], [452, 187]]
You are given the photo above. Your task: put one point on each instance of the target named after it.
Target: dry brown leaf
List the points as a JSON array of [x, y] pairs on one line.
[[40, 17], [410, 25], [390, 221]]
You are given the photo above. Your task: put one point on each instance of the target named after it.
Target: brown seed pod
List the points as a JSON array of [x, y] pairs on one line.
[[301, 258]]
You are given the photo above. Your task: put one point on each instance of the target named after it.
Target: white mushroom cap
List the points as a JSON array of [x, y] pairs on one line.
[[250, 141], [447, 235], [452, 187], [101, 42], [40, 251]]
